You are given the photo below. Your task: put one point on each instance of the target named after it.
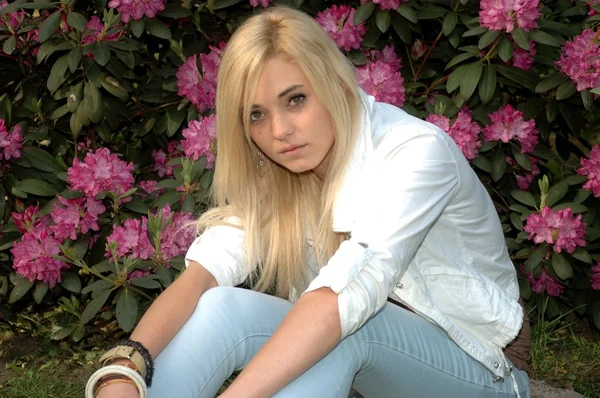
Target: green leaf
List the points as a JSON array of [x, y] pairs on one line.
[[498, 162], [524, 197], [41, 159], [595, 91], [459, 58], [10, 45], [137, 205], [158, 29], [505, 49], [63, 332], [114, 87], [470, 79], [565, 90], [581, 196], [22, 286], [94, 306], [147, 282], [536, 257], [101, 52], [582, 255], [79, 333], [515, 218], [476, 31], [37, 187], [550, 82], [8, 238], [488, 38], [177, 11], [431, 12], [168, 184], [556, 193], [57, 73], [174, 120], [587, 99], [544, 38], [137, 27], [92, 103], [363, 12], [522, 160], [97, 285], [561, 266], [357, 57], [450, 21], [575, 207], [573, 117], [521, 38], [487, 85], [127, 310], [219, 4], [169, 197], [74, 59], [408, 12], [455, 78], [49, 26], [77, 21], [383, 19], [164, 275], [40, 291], [71, 282], [524, 78]]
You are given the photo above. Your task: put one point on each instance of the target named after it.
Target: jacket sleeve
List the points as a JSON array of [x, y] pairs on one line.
[[415, 183], [220, 249]]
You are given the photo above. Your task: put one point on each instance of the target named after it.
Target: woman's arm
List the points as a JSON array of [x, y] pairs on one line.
[[170, 310], [308, 333]]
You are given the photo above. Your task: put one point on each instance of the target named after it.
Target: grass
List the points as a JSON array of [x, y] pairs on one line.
[[565, 353]]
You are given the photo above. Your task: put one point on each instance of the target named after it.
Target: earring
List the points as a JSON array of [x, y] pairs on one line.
[[260, 169]]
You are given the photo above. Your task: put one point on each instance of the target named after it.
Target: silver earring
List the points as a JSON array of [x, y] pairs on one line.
[[261, 159]]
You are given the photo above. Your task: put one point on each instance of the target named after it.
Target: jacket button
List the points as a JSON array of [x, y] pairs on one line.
[[496, 365], [400, 285]]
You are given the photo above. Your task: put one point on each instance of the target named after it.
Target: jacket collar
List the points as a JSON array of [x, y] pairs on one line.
[[344, 209]]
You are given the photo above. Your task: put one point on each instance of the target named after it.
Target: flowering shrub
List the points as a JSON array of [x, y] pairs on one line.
[[107, 135]]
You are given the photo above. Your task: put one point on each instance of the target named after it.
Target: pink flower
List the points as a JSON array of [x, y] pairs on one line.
[[10, 143], [161, 159], [95, 29], [136, 9], [504, 14], [464, 131], [175, 238], [508, 123], [198, 140], [32, 256], [28, 220], [78, 215], [101, 171], [200, 89], [525, 181], [591, 168], [558, 228], [13, 19], [138, 273], [385, 4], [381, 81], [418, 49], [523, 59], [544, 282], [593, 3], [149, 185], [387, 55], [338, 22], [595, 280], [131, 239], [580, 60], [263, 3]]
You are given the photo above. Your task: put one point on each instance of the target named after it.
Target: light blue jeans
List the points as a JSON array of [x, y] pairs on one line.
[[395, 354]]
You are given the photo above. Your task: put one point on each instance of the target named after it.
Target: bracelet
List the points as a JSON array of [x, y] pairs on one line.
[[108, 380], [109, 370], [145, 354]]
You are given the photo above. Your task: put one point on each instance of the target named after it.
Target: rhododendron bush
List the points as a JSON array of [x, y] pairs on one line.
[[107, 136]]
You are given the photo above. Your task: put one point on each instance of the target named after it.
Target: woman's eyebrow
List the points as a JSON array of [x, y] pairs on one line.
[[281, 94]]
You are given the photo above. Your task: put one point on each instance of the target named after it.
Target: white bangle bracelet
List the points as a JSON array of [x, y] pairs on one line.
[[116, 370]]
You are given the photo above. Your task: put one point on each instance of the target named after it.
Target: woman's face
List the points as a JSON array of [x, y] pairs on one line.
[[288, 122]]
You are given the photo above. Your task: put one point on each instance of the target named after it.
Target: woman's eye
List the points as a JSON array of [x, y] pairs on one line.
[[297, 99], [254, 116]]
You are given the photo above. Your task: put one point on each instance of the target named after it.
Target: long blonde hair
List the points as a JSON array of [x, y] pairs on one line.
[[278, 208]]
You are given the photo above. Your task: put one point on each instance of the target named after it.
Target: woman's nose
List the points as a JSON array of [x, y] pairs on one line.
[[281, 127]]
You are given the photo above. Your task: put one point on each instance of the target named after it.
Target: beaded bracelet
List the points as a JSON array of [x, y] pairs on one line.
[[145, 354]]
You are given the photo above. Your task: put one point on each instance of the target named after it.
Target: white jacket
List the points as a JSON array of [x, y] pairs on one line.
[[424, 232]]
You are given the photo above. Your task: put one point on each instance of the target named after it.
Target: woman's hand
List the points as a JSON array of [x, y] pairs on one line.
[[118, 390]]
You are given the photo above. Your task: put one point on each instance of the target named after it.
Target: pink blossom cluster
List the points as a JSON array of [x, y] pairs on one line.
[[508, 123], [12, 19], [558, 228], [544, 283], [100, 171], [381, 78], [590, 167], [464, 131], [32, 256], [385, 4], [10, 143], [95, 29], [200, 89], [580, 60], [507, 14], [136, 9], [263, 3], [132, 238], [595, 280], [525, 181], [138, 273], [161, 158], [338, 22], [75, 216], [148, 185], [523, 59], [419, 48], [198, 141], [593, 3]]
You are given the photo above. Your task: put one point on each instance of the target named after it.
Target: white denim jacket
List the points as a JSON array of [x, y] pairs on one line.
[[424, 232]]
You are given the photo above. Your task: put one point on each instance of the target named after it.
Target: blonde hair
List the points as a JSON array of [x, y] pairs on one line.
[[277, 221]]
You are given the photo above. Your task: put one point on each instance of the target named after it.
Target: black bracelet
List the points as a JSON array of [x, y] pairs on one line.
[[145, 354]]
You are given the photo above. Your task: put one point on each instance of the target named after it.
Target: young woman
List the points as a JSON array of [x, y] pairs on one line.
[[382, 251]]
